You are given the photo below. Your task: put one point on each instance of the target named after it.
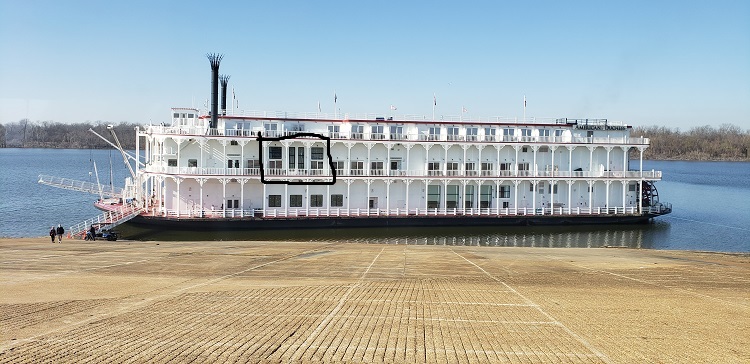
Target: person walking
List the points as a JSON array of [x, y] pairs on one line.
[[52, 233], [60, 231]]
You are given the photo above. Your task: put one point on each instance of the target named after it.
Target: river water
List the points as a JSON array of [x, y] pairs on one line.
[[711, 202]]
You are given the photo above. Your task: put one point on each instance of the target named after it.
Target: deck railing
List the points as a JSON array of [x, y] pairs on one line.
[[326, 173], [314, 212], [421, 136]]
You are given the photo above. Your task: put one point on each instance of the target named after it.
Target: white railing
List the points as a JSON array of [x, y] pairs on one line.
[[285, 173], [80, 186], [402, 212], [420, 136], [107, 220]]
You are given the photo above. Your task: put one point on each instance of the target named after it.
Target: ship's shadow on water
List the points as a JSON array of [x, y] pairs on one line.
[[629, 236]]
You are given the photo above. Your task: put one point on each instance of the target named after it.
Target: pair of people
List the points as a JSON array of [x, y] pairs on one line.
[[91, 234], [56, 232]]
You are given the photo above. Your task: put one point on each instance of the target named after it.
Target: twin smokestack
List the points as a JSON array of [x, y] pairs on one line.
[[215, 60]]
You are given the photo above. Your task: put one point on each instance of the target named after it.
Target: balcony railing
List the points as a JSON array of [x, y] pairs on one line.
[[422, 136], [294, 212], [648, 175]]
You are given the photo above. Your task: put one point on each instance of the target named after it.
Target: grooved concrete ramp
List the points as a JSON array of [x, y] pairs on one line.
[[340, 302]]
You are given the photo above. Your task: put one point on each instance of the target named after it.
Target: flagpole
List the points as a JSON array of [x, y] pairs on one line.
[[434, 103], [335, 113], [524, 108]]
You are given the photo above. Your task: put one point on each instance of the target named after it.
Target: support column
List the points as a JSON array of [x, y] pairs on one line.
[[201, 181], [606, 199], [515, 195], [570, 195], [243, 181]]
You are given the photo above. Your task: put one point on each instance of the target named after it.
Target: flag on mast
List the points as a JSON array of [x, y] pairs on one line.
[[434, 100], [393, 107]]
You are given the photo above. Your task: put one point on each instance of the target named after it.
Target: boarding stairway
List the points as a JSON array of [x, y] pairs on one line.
[[80, 186], [105, 221]]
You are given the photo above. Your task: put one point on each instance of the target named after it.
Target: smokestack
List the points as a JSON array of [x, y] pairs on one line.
[[215, 59], [223, 79]]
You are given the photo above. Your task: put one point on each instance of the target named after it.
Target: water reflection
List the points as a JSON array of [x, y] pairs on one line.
[[630, 236]]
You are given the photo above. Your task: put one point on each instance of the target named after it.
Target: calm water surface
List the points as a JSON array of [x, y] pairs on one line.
[[711, 202]]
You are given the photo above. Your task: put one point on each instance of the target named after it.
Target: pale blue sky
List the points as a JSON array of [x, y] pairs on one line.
[[672, 63]]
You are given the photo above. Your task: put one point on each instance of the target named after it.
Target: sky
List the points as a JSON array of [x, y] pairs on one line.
[[678, 64]]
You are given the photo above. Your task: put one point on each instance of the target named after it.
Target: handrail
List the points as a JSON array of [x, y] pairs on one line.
[[106, 220], [473, 174], [80, 186], [402, 136], [402, 212]]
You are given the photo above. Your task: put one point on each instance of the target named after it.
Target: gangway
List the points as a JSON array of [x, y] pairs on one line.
[[81, 186], [107, 220]]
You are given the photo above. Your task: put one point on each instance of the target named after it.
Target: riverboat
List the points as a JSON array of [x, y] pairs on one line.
[[227, 169]]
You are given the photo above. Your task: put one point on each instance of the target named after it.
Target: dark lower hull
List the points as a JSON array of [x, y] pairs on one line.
[[240, 224]]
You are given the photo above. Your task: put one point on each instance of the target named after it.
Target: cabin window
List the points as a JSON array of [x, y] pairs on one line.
[[376, 132], [333, 131], [632, 187], [470, 168], [433, 169], [504, 192], [274, 152], [506, 204], [486, 169], [376, 168], [453, 133], [316, 158], [397, 132], [357, 131], [504, 166], [471, 134], [339, 167], [469, 196], [253, 163], [485, 197], [524, 149], [489, 134], [451, 197], [337, 200], [433, 196], [357, 168], [544, 149], [558, 133], [192, 163], [295, 200], [508, 134], [233, 142], [172, 162], [316, 200], [434, 133], [274, 200], [525, 132], [541, 188], [452, 168]]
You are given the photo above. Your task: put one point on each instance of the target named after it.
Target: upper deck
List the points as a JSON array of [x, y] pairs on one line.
[[378, 127]]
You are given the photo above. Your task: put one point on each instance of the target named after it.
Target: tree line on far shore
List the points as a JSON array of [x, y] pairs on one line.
[[48, 134], [727, 142], [705, 143]]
